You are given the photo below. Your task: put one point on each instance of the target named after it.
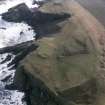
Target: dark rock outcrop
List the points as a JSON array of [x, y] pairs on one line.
[[17, 48], [40, 21], [20, 50], [21, 13], [18, 13]]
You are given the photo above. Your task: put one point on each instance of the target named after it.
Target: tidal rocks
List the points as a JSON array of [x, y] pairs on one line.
[[22, 54], [18, 14], [20, 50], [39, 20], [22, 13]]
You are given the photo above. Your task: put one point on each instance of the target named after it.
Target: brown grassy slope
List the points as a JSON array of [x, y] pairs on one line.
[[63, 58], [69, 58]]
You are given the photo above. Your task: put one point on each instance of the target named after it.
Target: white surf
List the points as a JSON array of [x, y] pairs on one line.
[[9, 36]]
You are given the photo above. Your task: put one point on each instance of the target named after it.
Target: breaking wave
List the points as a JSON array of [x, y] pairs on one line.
[[12, 34]]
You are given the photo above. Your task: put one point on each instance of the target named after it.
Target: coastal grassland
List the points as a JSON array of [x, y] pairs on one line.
[[65, 59], [65, 63]]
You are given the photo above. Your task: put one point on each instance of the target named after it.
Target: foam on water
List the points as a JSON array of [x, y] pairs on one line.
[[12, 34], [8, 97]]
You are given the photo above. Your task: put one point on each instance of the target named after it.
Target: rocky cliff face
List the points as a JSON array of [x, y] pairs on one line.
[[62, 70]]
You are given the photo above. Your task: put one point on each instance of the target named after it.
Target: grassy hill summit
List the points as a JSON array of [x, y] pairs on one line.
[[63, 69]]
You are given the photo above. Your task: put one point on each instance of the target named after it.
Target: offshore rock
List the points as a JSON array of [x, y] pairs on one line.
[[18, 13]]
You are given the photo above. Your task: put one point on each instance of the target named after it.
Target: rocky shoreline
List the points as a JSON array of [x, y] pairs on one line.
[[21, 13], [60, 66]]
